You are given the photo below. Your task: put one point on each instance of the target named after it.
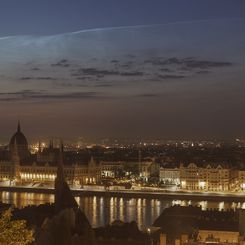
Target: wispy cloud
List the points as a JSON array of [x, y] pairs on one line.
[[27, 95], [148, 95], [37, 78], [61, 63], [188, 62], [120, 71], [170, 76]]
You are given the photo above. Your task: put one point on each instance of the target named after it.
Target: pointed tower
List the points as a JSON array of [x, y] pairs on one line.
[[39, 147], [140, 161], [51, 145], [63, 196], [60, 169], [92, 163], [18, 127], [64, 200]]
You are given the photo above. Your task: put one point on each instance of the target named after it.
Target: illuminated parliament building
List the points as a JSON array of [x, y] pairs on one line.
[[18, 165]]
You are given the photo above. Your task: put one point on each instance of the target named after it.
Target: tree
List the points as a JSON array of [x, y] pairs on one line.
[[14, 232]]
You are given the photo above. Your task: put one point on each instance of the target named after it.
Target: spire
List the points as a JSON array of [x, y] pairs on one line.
[[61, 152], [51, 144], [60, 169], [140, 160], [18, 127], [39, 147], [92, 162], [63, 196], [91, 158]]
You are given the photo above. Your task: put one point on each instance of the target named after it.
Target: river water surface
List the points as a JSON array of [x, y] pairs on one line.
[[104, 210]]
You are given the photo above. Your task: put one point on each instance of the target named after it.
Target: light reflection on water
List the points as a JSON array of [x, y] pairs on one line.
[[104, 210]]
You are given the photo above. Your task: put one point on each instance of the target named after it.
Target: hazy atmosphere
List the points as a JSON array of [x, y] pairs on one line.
[[150, 73], [122, 122]]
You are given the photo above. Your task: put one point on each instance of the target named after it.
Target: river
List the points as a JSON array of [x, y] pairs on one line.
[[103, 210]]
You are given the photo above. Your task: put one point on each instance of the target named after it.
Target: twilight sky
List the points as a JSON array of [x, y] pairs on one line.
[[165, 69]]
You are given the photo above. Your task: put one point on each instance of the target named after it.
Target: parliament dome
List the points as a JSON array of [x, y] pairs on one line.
[[18, 138], [18, 144]]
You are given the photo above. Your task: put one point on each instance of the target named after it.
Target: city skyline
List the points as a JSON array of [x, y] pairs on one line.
[[122, 122]]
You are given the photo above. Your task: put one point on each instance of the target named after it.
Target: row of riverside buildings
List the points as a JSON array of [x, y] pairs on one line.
[[17, 164], [207, 177]]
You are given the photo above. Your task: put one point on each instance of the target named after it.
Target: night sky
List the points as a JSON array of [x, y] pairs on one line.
[[163, 69]]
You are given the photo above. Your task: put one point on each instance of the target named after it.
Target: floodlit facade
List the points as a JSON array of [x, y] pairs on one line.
[[148, 169], [110, 169], [238, 180], [75, 174], [211, 177], [21, 167], [168, 175]]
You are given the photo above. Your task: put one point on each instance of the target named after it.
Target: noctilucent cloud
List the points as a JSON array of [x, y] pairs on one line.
[[141, 74]]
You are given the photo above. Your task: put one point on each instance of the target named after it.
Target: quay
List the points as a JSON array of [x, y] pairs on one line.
[[158, 194]]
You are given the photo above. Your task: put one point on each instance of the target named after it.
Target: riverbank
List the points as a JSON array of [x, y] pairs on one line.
[[164, 194]]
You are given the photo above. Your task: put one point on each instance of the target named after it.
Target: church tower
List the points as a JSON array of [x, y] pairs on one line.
[[63, 196]]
